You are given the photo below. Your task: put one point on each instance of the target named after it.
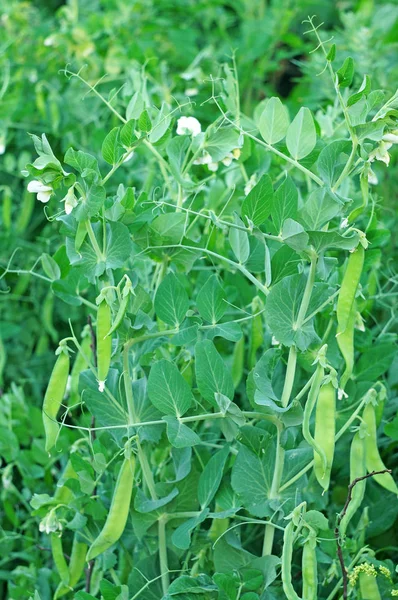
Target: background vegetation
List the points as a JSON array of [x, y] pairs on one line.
[[55, 61]]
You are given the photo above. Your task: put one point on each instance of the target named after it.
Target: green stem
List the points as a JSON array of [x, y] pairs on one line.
[[289, 377], [164, 566], [307, 294], [276, 480], [93, 241]]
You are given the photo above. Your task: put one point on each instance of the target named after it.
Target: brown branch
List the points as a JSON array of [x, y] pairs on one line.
[[337, 528]]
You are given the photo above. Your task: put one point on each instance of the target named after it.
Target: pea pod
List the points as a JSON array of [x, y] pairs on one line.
[[76, 567], [349, 287], [104, 343], [287, 556], [79, 365], [373, 458], [345, 341], [325, 425], [59, 558], [54, 396], [357, 469], [122, 308], [118, 512], [310, 569], [309, 407], [368, 587]]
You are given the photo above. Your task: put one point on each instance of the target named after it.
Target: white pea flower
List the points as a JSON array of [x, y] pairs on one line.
[[188, 126], [344, 223], [205, 159], [236, 153], [228, 159], [381, 153], [49, 41], [391, 136], [50, 523], [70, 200], [274, 341], [128, 157], [250, 185], [101, 386], [191, 92], [2, 147], [43, 192], [372, 177], [213, 166]]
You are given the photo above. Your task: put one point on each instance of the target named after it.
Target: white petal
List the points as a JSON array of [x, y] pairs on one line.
[[391, 137], [37, 186], [213, 167], [44, 196], [188, 126], [2, 148]]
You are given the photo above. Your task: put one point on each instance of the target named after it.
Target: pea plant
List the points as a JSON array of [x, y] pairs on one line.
[[216, 405]]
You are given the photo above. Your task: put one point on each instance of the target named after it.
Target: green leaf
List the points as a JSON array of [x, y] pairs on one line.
[[160, 125], [294, 236], [211, 373], [170, 227], [363, 91], [111, 147], [181, 538], [274, 121], [167, 389], [346, 73], [331, 55], [50, 267], [171, 301], [176, 150], [143, 505], [239, 241], [332, 160], [252, 478], [282, 308], [221, 142], [135, 107], [117, 250], [81, 161], [301, 135], [258, 203], [211, 477], [319, 209], [144, 122], [375, 361], [321, 240], [180, 435], [211, 300], [264, 371], [285, 203], [127, 135]]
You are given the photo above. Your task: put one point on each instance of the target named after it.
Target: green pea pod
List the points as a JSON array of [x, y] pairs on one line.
[[79, 365], [310, 569], [368, 587], [357, 469], [325, 426], [257, 332], [63, 494], [76, 567], [118, 512], [373, 459], [59, 558], [53, 398], [25, 212], [238, 361], [104, 343], [287, 556], [120, 314], [309, 407], [349, 287], [345, 341]]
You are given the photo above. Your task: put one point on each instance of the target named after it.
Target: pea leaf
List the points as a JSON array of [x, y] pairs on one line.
[[285, 203], [239, 241], [274, 121], [252, 478], [211, 373], [181, 538], [301, 135], [258, 203], [346, 73], [180, 435], [171, 301], [167, 389], [211, 300], [111, 147], [211, 477]]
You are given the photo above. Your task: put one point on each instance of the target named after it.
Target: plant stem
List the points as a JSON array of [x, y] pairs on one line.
[[164, 566], [93, 241], [307, 294], [276, 480]]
